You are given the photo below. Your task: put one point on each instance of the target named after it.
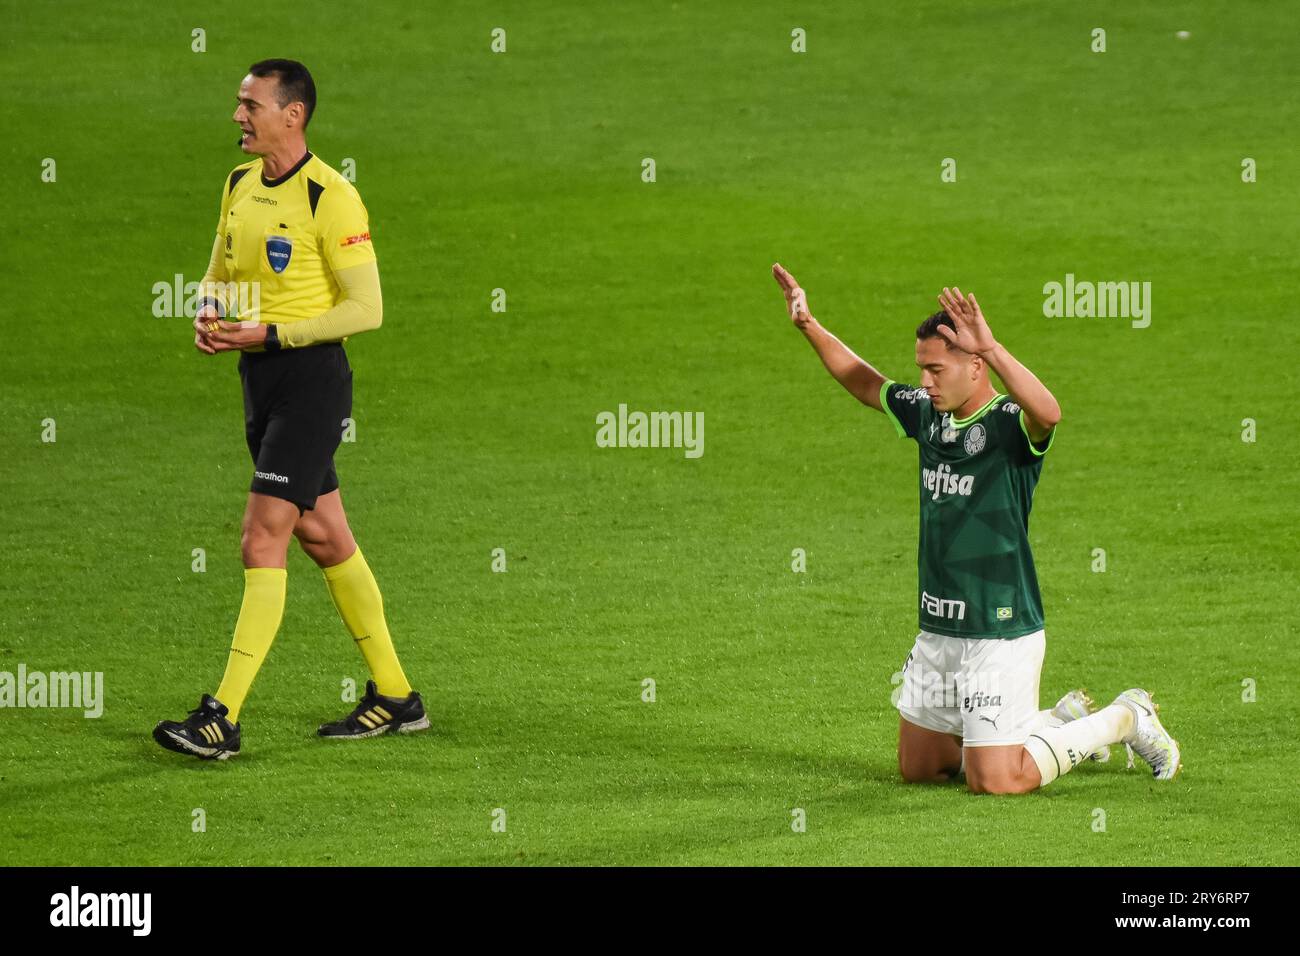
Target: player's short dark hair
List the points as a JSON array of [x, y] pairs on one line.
[[929, 329], [293, 83]]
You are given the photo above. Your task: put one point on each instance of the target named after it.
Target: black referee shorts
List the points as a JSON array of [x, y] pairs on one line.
[[295, 401]]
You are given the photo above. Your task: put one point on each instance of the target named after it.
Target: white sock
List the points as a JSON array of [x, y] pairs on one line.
[[1058, 750], [1047, 719]]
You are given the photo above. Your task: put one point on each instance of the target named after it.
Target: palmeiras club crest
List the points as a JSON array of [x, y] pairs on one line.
[[278, 251], [975, 439]]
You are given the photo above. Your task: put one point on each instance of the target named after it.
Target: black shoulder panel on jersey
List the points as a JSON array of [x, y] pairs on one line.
[[314, 189], [235, 176]]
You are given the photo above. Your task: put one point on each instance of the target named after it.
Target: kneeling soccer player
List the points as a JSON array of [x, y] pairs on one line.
[[296, 230], [969, 700]]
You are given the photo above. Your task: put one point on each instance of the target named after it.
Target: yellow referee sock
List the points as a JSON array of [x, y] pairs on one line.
[[357, 597], [259, 619]]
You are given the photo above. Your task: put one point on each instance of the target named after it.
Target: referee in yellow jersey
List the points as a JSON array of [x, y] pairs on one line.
[[296, 231]]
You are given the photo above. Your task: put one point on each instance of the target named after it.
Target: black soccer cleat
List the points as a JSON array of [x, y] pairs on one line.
[[377, 715], [205, 733]]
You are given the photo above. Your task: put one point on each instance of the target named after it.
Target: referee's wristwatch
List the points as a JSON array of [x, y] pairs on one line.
[[272, 343]]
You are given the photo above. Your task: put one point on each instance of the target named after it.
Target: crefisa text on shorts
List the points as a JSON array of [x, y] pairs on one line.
[[926, 688]]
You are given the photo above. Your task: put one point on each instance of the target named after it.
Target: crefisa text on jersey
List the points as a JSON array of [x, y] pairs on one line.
[[944, 481]]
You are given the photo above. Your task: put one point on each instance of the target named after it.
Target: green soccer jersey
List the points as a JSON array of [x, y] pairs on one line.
[[975, 572]]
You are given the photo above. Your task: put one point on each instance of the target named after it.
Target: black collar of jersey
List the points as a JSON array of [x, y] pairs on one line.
[[272, 183]]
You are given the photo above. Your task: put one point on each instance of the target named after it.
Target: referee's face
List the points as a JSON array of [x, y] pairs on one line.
[[261, 119]]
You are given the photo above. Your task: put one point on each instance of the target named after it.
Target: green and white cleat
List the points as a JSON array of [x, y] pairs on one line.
[[1149, 738], [1074, 705]]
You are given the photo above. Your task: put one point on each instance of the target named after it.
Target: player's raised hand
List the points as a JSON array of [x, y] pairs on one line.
[[973, 334], [796, 302]]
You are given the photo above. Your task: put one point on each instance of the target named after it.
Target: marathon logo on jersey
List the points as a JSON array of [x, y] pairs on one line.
[[271, 476], [278, 251], [948, 608], [944, 481]]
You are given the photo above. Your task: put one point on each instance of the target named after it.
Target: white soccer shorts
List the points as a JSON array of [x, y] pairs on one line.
[[984, 691]]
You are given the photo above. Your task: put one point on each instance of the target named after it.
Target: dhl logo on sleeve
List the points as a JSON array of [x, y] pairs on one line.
[[353, 240]]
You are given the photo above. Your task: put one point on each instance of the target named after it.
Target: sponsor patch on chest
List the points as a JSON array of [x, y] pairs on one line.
[[279, 249], [944, 481]]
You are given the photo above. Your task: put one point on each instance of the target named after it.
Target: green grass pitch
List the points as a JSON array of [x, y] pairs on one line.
[[475, 429]]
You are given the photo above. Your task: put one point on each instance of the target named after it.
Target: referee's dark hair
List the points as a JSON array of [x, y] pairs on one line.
[[293, 82]]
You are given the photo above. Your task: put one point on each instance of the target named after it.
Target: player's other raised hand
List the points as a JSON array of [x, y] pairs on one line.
[[795, 299], [973, 334]]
